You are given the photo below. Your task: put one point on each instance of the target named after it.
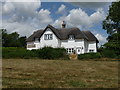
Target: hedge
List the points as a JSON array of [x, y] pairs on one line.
[[89, 56], [53, 53], [15, 52], [44, 53]]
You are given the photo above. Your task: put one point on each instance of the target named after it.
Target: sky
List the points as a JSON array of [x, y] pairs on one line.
[[27, 17]]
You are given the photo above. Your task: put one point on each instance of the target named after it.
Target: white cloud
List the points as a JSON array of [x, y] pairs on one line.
[[21, 28], [61, 9], [101, 38], [98, 16], [44, 16], [79, 18], [23, 17], [7, 8]]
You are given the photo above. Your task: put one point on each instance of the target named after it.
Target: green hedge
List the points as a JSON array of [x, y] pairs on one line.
[[89, 56], [44, 53], [53, 53], [14, 52]]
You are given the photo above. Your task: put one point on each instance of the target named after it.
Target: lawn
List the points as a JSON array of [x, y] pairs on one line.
[[29, 73]]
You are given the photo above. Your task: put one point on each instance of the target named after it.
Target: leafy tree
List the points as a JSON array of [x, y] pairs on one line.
[[112, 21], [12, 39], [22, 41], [112, 25], [4, 36]]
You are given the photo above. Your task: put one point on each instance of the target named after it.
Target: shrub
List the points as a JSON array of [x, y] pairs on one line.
[[51, 53], [89, 56]]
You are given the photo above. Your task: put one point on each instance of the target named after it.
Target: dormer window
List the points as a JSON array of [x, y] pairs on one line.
[[71, 37]]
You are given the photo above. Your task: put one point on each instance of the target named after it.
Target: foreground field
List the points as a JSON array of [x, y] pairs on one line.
[[27, 73]]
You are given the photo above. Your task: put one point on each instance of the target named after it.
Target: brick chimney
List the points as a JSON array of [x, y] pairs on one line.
[[63, 25]]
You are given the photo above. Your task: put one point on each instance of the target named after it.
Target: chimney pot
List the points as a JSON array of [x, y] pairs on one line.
[[63, 24]]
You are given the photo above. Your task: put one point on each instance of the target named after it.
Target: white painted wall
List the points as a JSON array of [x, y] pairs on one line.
[[73, 44], [52, 43], [92, 46]]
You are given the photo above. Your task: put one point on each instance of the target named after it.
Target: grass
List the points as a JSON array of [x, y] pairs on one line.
[[29, 73]]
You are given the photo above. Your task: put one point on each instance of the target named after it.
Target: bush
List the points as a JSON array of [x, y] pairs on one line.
[[89, 56], [51, 53]]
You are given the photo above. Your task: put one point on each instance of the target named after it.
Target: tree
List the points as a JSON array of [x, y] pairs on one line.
[[4, 36], [112, 21], [112, 25], [12, 39], [22, 41]]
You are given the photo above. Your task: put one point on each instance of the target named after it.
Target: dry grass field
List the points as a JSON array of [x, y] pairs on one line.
[[28, 73]]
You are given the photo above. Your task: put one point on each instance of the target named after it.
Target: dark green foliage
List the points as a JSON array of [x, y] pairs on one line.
[[14, 52], [109, 53], [51, 53], [89, 56], [112, 21], [112, 25], [113, 43], [22, 41], [12, 39], [44, 53]]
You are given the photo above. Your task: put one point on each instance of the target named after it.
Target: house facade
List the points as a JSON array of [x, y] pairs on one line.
[[72, 39]]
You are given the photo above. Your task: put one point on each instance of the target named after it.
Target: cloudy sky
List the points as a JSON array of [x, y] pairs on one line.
[[27, 17]]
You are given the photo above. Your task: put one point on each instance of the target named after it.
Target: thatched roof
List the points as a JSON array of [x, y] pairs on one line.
[[63, 33]]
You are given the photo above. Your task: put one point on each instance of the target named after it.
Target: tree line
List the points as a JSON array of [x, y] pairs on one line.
[[12, 39]]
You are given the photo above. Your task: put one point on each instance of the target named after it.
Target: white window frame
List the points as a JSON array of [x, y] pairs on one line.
[[70, 50], [48, 36]]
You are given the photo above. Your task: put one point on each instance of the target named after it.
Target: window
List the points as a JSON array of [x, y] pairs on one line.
[[71, 37], [31, 46], [70, 50], [91, 50], [48, 36]]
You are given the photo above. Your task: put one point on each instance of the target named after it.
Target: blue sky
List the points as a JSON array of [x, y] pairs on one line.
[[27, 17]]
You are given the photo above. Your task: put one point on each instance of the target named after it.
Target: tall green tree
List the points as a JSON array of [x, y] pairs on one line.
[[112, 25], [112, 21]]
